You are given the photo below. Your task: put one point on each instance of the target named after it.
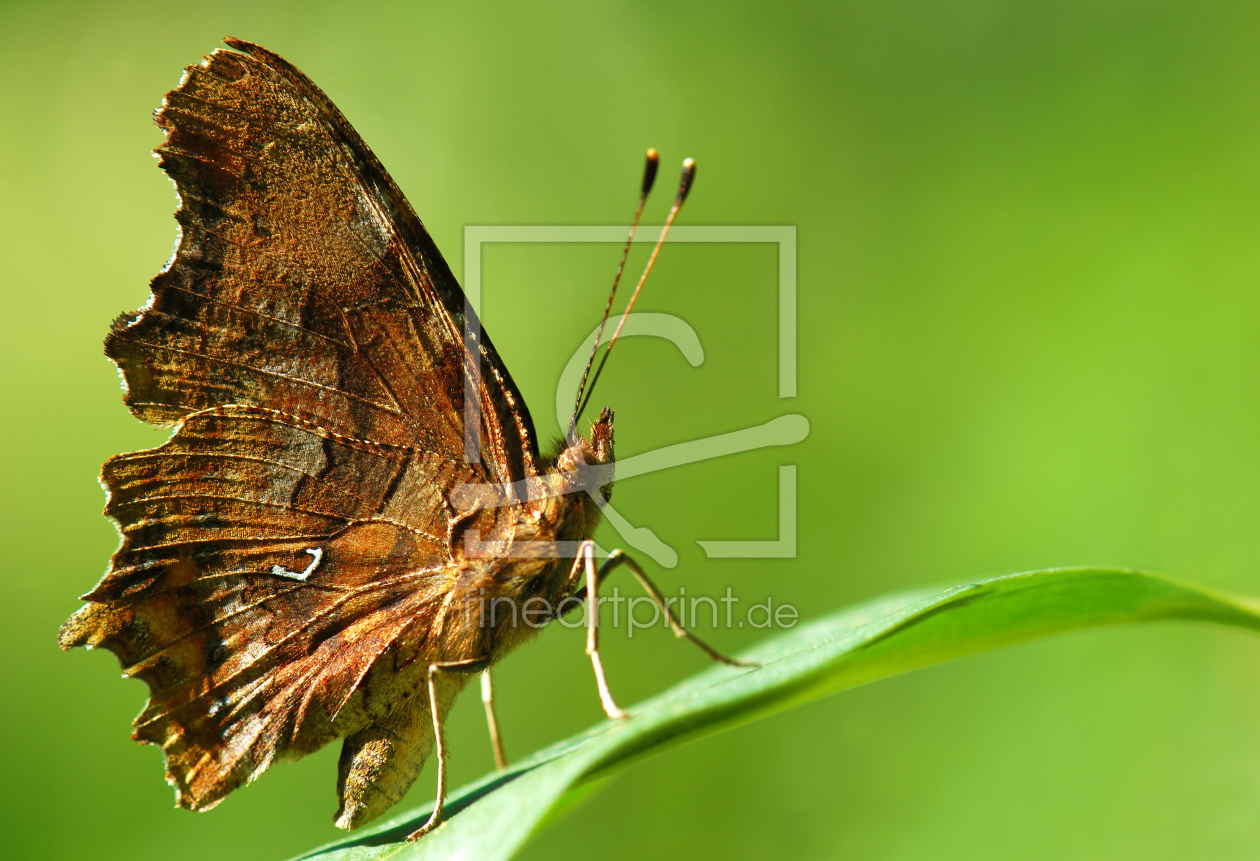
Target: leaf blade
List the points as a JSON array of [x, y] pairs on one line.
[[495, 816]]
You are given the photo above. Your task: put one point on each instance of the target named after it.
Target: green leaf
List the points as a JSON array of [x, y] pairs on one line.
[[494, 817]]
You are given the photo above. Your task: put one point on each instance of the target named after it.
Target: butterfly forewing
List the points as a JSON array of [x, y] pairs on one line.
[[303, 281]]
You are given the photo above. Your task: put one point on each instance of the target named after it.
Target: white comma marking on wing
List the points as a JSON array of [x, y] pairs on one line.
[[316, 552]]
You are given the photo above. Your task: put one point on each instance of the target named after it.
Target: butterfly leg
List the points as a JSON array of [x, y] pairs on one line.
[[487, 699], [586, 558], [618, 558], [473, 665]]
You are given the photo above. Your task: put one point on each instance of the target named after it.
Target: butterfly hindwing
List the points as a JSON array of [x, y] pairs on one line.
[[264, 570]]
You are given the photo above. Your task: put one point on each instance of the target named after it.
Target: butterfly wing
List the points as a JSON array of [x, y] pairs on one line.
[[264, 570], [304, 282], [288, 557]]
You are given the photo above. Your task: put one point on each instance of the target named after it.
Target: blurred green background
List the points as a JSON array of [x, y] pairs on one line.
[[1029, 290]]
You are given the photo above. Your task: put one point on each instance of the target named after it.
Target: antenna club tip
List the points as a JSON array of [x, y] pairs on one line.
[[649, 170], [688, 175]]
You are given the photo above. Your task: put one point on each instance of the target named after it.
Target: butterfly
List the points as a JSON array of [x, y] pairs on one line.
[[352, 470]]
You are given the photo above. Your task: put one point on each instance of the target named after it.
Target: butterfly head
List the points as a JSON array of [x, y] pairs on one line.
[[585, 463]]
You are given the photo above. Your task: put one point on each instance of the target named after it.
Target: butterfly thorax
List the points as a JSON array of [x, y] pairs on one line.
[[526, 568], [561, 507]]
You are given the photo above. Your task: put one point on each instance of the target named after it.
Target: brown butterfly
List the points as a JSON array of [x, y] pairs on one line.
[[352, 471]]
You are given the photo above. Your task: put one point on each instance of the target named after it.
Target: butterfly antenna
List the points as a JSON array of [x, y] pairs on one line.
[[649, 177], [684, 186]]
